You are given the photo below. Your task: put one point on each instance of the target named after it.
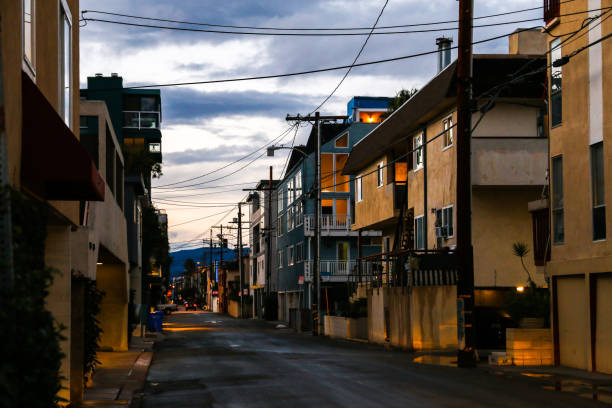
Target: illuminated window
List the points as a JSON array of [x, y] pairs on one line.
[[341, 180], [327, 172], [359, 188], [401, 172], [332, 178], [418, 152], [370, 117], [447, 128], [342, 141]]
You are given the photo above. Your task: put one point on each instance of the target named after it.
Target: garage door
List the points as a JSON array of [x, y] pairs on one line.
[[603, 349], [572, 312]]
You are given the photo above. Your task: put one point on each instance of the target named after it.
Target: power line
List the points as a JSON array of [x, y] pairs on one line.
[[301, 29], [277, 138], [320, 70]]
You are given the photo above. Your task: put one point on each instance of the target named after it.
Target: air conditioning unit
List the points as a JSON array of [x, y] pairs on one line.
[[441, 232]]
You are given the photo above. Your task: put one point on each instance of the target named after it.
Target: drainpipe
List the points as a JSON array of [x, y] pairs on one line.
[[425, 225]]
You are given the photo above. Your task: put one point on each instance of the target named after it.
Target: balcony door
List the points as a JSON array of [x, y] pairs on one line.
[[334, 212], [343, 256]]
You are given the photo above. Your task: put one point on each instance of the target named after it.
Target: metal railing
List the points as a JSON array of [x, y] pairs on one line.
[[338, 222], [141, 119], [339, 270]]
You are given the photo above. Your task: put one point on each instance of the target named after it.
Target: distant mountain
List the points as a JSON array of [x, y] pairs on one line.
[[197, 254]]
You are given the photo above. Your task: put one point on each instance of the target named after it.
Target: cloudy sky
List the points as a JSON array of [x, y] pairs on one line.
[[206, 127]]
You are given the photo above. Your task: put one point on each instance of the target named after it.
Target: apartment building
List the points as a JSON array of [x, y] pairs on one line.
[[42, 158], [100, 248], [580, 265], [406, 174], [340, 245], [263, 270]]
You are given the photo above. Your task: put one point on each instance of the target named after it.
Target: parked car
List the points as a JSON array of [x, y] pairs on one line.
[[190, 305]]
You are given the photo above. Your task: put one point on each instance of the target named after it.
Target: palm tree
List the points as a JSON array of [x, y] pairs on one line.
[[521, 250]]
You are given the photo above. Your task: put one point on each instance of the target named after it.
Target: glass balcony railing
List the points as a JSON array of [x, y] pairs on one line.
[[140, 120]]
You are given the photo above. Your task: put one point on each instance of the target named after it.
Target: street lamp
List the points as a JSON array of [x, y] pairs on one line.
[[317, 226]]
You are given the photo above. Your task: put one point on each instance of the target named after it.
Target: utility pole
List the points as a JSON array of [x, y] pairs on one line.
[[210, 269], [316, 304], [269, 238], [240, 254], [465, 287]]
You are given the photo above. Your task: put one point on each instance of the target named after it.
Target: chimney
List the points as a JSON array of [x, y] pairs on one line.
[[444, 52], [114, 74]]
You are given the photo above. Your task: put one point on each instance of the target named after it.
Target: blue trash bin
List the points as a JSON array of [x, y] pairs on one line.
[[155, 321]]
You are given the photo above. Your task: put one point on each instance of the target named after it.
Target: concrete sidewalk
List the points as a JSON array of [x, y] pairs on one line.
[[121, 374]]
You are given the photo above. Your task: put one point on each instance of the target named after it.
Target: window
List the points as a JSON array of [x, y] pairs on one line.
[[154, 147], [290, 192], [419, 232], [359, 188], [280, 258], [555, 84], [332, 178], [290, 218], [290, 255], [342, 141], [65, 53], [298, 184], [557, 200], [29, 33], [380, 181], [597, 191], [281, 199], [279, 224], [444, 222], [298, 213], [418, 152], [299, 252], [447, 128]]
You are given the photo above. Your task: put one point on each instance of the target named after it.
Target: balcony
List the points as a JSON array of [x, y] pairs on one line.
[[551, 10], [339, 271], [141, 120], [333, 225], [509, 161]]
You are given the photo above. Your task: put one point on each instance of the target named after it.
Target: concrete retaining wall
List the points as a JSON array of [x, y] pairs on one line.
[[346, 328], [233, 309], [529, 347]]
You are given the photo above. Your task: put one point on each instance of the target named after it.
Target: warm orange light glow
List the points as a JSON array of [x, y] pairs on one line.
[[182, 329], [401, 172], [520, 288], [370, 117]]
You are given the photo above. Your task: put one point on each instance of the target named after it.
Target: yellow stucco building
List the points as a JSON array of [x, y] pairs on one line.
[[580, 95], [406, 169]]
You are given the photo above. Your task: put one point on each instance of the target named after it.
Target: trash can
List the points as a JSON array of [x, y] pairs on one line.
[[155, 321]]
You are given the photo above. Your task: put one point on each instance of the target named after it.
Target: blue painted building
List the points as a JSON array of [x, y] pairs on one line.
[[296, 200]]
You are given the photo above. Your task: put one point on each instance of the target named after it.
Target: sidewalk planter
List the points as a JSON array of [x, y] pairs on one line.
[[529, 347], [346, 327]]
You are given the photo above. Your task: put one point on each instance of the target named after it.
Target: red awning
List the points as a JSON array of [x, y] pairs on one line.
[[54, 164]]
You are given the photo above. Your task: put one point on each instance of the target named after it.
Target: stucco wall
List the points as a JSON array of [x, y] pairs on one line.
[[112, 279], [500, 218], [434, 317], [377, 204]]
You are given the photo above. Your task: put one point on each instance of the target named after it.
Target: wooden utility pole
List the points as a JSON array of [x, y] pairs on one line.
[[316, 304], [465, 253], [240, 255], [269, 238], [210, 273]]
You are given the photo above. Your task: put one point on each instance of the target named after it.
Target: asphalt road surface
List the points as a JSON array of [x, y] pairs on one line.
[[210, 360]]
